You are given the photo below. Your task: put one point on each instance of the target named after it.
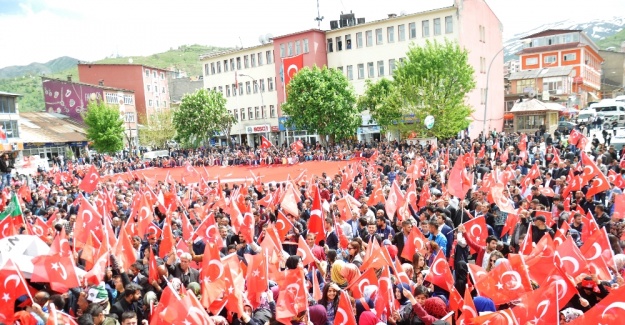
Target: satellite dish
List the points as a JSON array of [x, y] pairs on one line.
[[262, 39], [402, 13], [531, 94], [130, 61], [268, 37]]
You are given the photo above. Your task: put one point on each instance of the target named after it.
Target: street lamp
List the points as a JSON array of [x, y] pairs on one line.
[[486, 93], [260, 91]]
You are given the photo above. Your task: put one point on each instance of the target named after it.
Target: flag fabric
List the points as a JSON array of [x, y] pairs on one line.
[[265, 143], [304, 252], [440, 273], [13, 209], [414, 243], [297, 146], [316, 223], [344, 312], [357, 286], [12, 286], [90, 181], [291, 66]]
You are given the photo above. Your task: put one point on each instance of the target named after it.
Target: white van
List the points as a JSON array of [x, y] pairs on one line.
[[611, 108], [155, 154], [585, 114]]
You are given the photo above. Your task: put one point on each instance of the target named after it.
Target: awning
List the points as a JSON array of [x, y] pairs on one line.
[[508, 116]]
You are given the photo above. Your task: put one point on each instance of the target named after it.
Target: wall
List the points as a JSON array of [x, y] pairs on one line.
[[473, 14], [179, 87], [613, 71], [69, 98]]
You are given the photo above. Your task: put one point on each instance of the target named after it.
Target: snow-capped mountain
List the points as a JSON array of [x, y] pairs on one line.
[[597, 29]]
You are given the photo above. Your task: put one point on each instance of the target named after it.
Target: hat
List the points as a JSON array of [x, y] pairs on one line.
[[540, 218], [97, 294]]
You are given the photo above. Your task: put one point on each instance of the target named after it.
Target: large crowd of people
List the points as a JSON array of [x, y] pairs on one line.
[[499, 229]]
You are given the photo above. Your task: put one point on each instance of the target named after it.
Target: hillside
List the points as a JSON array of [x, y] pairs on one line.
[[612, 41], [185, 58], [51, 67]]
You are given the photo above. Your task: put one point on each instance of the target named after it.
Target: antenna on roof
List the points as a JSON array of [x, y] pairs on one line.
[[319, 16]]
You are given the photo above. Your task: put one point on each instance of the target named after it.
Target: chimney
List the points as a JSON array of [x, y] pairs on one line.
[[101, 82], [69, 77], [392, 15]]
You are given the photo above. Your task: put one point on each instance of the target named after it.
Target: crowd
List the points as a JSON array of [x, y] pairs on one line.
[[513, 229]]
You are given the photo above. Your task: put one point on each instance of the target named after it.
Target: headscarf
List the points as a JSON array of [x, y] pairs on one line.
[[363, 305], [461, 276], [571, 314], [483, 304], [350, 272], [318, 314], [403, 299], [435, 306], [619, 261], [335, 273], [319, 253], [367, 318]]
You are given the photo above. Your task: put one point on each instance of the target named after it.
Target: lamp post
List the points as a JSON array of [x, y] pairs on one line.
[[486, 94], [260, 91]]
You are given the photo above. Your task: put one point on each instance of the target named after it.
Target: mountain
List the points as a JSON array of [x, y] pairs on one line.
[[28, 82], [35, 68], [599, 30]]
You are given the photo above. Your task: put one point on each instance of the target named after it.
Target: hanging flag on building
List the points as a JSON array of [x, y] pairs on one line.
[[291, 66]]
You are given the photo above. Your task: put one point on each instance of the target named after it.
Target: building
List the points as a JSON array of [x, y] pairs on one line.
[[548, 84], [554, 48], [181, 86], [362, 51], [149, 84], [49, 135], [613, 72], [511, 66], [10, 135], [71, 98]]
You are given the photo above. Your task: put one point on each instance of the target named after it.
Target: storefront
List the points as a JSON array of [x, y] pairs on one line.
[[532, 115], [55, 149], [289, 135]]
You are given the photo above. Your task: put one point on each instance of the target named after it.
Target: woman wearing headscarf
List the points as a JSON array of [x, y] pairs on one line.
[[412, 311], [484, 305], [350, 272], [368, 318], [318, 315], [335, 273]]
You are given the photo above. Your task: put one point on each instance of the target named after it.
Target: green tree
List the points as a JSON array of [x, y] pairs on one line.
[[105, 127], [378, 100], [202, 115], [158, 128], [433, 80], [321, 100]]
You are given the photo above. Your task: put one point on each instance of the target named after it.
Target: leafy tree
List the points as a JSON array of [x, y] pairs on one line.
[[202, 115], [433, 80], [321, 100], [378, 100], [105, 127], [158, 129]]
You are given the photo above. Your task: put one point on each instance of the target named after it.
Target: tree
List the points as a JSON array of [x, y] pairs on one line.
[[105, 127], [322, 101], [202, 115], [158, 129], [377, 99], [433, 80]]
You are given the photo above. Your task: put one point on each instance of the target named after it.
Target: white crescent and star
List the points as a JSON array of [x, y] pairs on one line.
[[12, 277], [219, 266], [435, 270], [292, 67], [517, 278], [60, 269], [617, 304]]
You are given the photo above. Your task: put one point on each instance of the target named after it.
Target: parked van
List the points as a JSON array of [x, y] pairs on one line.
[[611, 109], [585, 115], [155, 154]]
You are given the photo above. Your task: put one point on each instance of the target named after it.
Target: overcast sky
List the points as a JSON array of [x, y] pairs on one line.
[[41, 30]]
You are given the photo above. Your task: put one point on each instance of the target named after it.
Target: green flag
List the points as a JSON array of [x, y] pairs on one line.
[[13, 209]]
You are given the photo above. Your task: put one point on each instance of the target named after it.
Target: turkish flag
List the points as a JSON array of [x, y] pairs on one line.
[[501, 317], [152, 271], [476, 231], [503, 284], [375, 258], [609, 310], [511, 221], [87, 220], [456, 183], [316, 223], [297, 146], [468, 308], [504, 204], [616, 179], [599, 184], [288, 204], [12, 286], [304, 252], [570, 258], [90, 181], [504, 156], [424, 196], [414, 243], [575, 136], [291, 67], [385, 297], [96, 274], [60, 244], [376, 195], [293, 297], [124, 251], [167, 241], [59, 271], [590, 168], [344, 312], [394, 200], [482, 152], [357, 285], [264, 143], [440, 273], [598, 254], [211, 275], [257, 277], [7, 228]]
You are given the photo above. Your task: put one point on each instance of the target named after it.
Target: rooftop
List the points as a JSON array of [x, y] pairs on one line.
[[534, 105], [44, 79], [551, 32], [216, 54], [2, 93], [125, 64], [43, 127], [392, 18], [550, 48]]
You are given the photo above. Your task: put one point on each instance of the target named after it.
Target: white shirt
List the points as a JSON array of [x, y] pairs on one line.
[[486, 259]]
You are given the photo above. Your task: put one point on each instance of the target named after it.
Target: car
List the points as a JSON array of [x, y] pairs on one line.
[[566, 126]]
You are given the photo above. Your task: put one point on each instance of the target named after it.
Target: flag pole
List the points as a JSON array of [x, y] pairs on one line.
[[19, 273]]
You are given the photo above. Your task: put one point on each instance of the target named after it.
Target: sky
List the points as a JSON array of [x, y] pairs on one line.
[[41, 30]]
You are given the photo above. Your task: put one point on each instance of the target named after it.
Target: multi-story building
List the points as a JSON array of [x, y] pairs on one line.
[[554, 48], [10, 140], [361, 51], [613, 72], [511, 66], [71, 98], [149, 84]]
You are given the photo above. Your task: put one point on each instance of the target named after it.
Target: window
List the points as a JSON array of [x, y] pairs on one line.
[[234, 90], [155, 88], [330, 48], [530, 121], [246, 61], [449, 25], [437, 26], [227, 90], [206, 69], [269, 57], [370, 70], [298, 48], [359, 40], [260, 58], [163, 90], [264, 111], [348, 41], [369, 36], [129, 99], [7, 105], [231, 64], [154, 73], [401, 30], [550, 59], [111, 98], [129, 117], [425, 28], [524, 86], [242, 114], [380, 68], [248, 88], [149, 87], [339, 43], [289, 49], [570, 57], [361, 71], [239, 63], [483, 34], [257, 112], [482, 96], [413, 30], [240, 89], [250, 113], [236, 114], [350, 72], [482, 64], [218, 66], [531, 61], [272, 111], [262, 85], [305, 45], [255, 86], [390, 34], [213, 68], [11, 129], [253, 59], [340, 69], [556, 85], [391, 66], [270, 84], [221, 89], [225, 65], [401, 60], [378, 36], [282, 50], [150, 103], [147, 72]]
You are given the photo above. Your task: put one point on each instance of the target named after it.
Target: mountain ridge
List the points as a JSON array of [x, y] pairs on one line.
[[36, 68]]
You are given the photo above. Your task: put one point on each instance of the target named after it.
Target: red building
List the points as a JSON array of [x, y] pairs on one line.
[[148, 83]]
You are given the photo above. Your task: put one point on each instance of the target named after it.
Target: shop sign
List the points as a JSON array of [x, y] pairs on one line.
[[257, 129], [275, 128]]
